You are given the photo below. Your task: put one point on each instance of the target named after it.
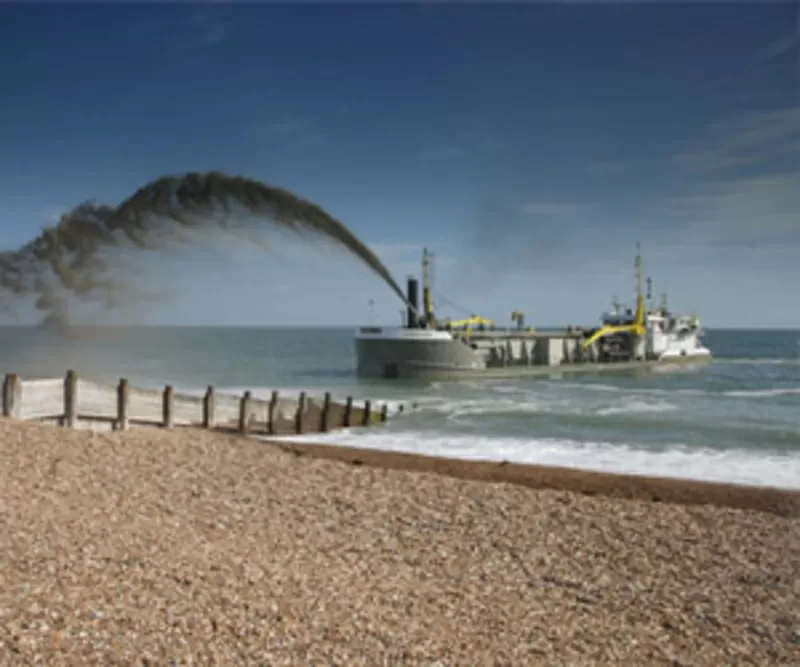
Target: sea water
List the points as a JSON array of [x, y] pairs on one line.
[[737, 419]]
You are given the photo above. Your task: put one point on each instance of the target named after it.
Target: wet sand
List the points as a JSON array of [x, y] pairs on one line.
[[201, 547]]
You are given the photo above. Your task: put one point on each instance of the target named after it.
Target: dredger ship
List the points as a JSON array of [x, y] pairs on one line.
[[429, 349]]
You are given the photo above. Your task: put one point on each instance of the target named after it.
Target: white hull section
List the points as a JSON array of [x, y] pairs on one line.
[[697, 353], [404, 334], [674, 339]]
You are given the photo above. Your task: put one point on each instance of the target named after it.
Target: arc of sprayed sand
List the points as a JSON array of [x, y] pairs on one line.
[[186, 198], [70, 252]]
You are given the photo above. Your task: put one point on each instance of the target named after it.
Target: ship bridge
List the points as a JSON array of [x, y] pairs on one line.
[[618, 319]]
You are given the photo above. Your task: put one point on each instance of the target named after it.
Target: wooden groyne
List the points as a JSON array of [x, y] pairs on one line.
[[81, 403]]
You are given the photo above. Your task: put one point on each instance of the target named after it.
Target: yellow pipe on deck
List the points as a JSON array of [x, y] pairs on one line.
[[638, 327], [475, 319]]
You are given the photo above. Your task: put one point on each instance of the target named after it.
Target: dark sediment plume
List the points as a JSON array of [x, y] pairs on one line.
[[76, 258]]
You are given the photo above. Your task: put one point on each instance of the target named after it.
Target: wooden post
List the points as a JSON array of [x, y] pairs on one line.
[[273, 405], [384, 412], [12, 393], [209, 411], [122, 405], [7, 395], [326, 408], [167, 406], [367, 412], [348, 411], [71, 399], [244, 413], [301, 408]]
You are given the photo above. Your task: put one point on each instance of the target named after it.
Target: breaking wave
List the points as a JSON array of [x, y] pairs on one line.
[[679, 460]]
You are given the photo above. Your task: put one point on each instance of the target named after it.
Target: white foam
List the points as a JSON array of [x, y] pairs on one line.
[[764, 393], [636, 406], [505, 389], [678, 369], [588, 386], [532, 403], [762, 362], [474, 407], [676, 461]]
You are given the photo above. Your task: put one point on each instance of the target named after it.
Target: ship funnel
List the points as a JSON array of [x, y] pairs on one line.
[[412, 317]]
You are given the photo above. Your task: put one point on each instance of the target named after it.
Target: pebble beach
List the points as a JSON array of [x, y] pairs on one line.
[[192, 547]]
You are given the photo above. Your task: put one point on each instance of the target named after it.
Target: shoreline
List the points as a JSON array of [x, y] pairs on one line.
[[774, 500]]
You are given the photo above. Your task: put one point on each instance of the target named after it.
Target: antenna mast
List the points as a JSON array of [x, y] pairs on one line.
[[638, 271], [427, 299], [640, 314]]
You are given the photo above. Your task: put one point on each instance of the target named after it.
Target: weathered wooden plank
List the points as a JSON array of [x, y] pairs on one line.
[[39, 397], [71, 399], [12, 396], [123, 401], [168, 421]]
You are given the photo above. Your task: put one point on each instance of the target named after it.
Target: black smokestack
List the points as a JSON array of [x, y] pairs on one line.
[[412, 296]]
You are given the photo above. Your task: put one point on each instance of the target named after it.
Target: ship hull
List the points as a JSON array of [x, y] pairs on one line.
[[428, 373], [411, 357], [415, 355]]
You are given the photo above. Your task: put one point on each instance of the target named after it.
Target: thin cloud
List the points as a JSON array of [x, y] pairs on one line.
[[746, 210], [560, 210], [505, 236], [298, 133], [311, 139], [189, 33], [748, 139], [741, 186], [287, 128], [441, 154], [208, 30], [483, 139], [607, 167], [781, 46], [469, 142], [766, 55]]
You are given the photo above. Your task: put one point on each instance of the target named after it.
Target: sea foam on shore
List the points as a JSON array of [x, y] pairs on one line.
[[678, 461]]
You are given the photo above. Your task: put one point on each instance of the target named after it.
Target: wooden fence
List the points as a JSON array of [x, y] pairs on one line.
[[80, 403]]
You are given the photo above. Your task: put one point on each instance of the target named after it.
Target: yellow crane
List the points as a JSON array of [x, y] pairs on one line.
[[638, 327], [475, 320]]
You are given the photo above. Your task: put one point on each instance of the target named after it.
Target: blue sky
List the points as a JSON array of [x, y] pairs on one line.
[[530, 145]]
